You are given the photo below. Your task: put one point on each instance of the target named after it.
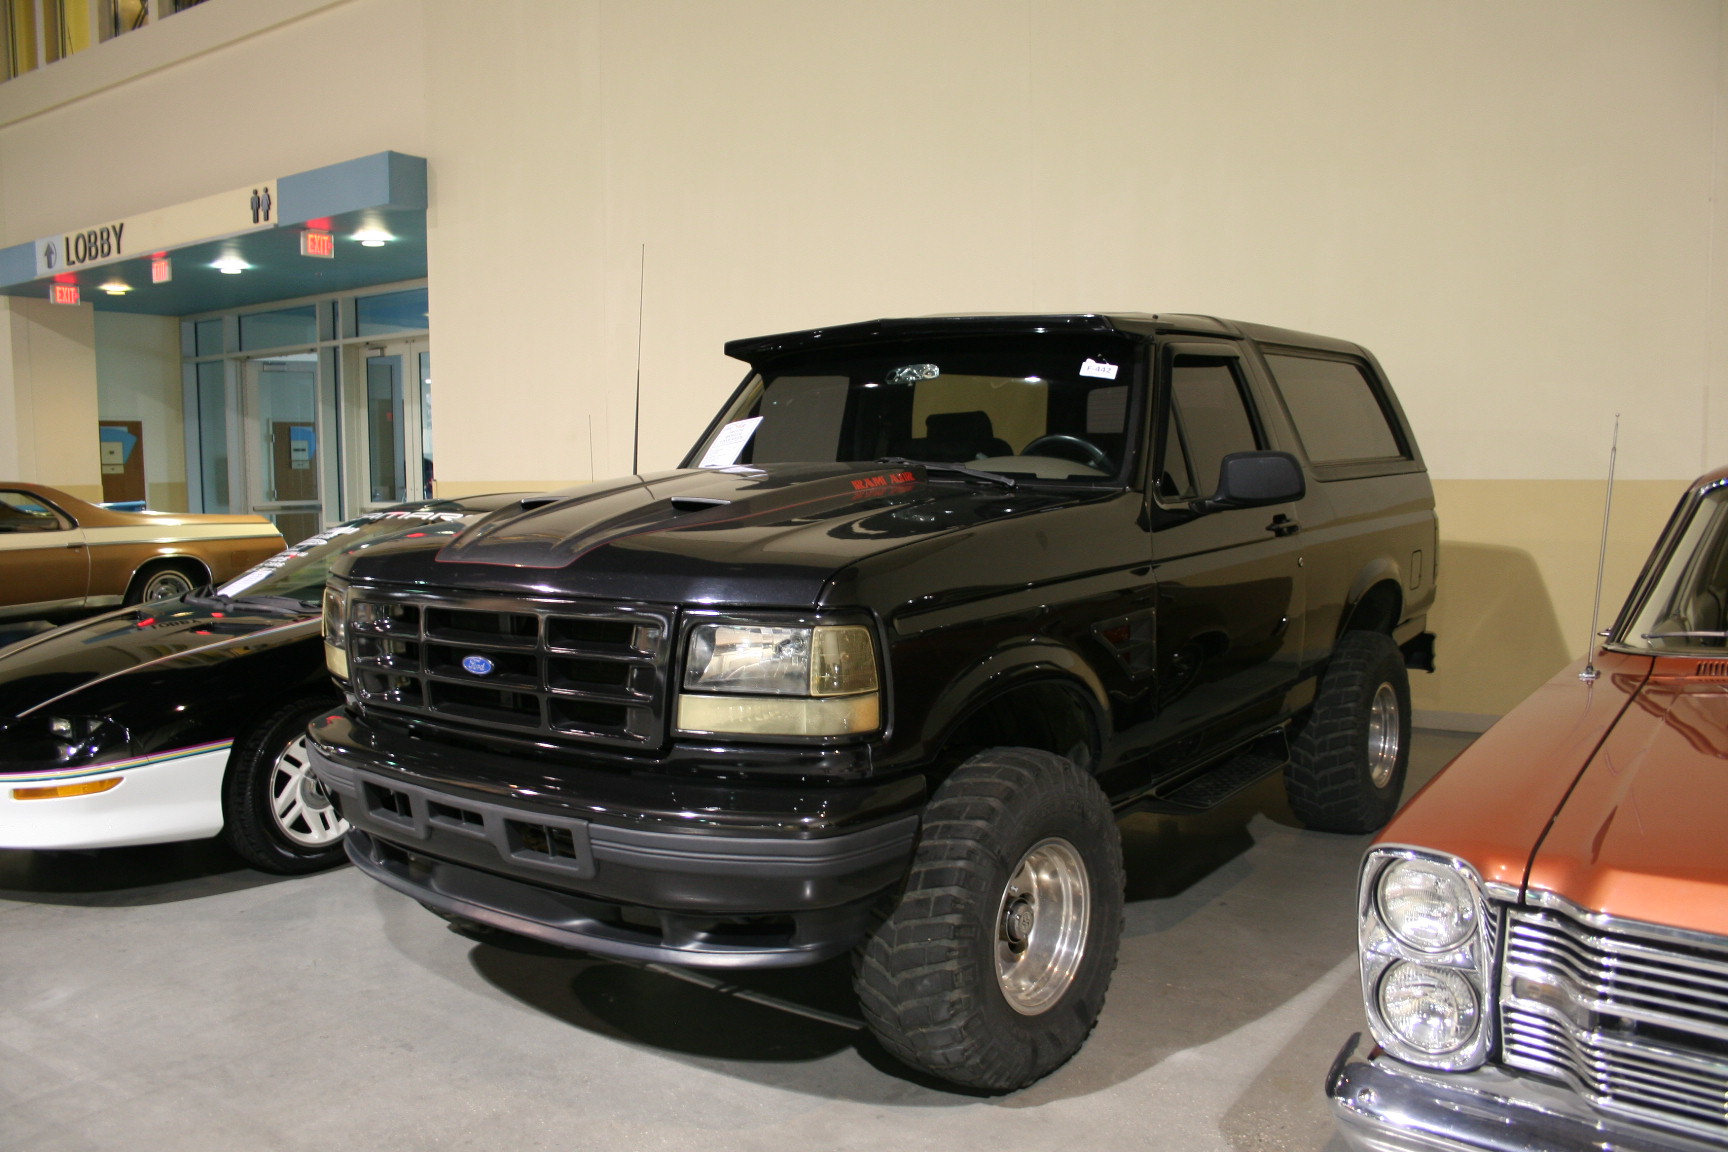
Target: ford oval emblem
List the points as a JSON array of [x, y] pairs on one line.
[[478, 665]]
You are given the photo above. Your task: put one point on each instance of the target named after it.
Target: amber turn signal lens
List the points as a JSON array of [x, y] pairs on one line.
[[85, 788]]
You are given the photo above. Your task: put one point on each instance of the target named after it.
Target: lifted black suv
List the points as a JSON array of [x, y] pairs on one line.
[[929, 604]]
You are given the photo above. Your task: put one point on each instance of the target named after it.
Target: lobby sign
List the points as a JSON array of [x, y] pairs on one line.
[[245, 209]]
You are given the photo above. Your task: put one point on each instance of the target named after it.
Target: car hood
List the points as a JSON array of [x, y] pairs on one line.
[[46, 667], [770, 534], [1640, 836]]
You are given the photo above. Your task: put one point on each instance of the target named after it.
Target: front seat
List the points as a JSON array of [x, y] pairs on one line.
[[955, 437]]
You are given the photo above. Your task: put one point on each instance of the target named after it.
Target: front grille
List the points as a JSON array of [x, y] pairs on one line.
[[1635, 1021], [557, 669]]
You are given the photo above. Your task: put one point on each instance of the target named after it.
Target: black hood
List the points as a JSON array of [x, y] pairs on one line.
[[106, 647], [763, 534]]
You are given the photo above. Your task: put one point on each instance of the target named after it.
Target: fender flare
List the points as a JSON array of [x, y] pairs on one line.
[[1011, 666], [1380, 570]]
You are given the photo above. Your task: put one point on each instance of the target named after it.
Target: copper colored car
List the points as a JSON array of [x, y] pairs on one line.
[[1543, 931], [59, 554]]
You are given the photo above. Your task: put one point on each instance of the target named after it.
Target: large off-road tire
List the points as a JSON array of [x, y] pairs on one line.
[[277, 815], [1347, 766], [164, 580], [991, 970]]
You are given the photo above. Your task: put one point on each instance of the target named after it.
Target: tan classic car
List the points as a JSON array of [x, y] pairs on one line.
[[59, 553], [1543, 931]]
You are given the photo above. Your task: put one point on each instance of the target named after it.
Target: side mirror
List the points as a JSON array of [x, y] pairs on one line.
[[1255, 479]]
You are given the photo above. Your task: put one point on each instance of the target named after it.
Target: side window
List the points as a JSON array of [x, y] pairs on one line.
[[1207, 420], [1336, 408], [22, 512]]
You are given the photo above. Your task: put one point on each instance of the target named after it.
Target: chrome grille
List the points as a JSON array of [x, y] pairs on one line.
[[558, 669], [1636, 1021]]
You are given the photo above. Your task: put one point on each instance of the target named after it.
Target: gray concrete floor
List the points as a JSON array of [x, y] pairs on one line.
[[169, 998]]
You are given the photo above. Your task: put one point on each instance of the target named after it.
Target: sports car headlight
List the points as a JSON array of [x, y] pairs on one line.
[[336, 632], [1424, 942], [779, 680], [68, 739]]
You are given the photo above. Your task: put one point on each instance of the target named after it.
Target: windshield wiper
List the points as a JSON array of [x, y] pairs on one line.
[[1683, 636], [955, 469], [262, 605]]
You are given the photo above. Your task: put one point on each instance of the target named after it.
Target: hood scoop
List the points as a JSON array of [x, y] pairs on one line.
[[557, 530]]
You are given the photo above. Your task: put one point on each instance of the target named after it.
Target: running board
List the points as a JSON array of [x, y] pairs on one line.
[[1226, 779]]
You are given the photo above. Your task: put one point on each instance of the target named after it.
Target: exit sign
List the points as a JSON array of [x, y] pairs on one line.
[[161, 271], [64, 294], [318, 244]]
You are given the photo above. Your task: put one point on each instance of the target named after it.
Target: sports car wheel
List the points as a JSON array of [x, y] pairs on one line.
[[278, 815]]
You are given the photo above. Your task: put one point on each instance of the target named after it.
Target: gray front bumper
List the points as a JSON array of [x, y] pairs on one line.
[[1385, 1106]]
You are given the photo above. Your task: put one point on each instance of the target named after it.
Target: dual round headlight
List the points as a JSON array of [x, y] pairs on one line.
[[1432, 1009], [1426, 905], [1423, 963]]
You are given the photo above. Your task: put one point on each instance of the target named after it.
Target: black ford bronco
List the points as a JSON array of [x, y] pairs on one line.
[[929, 605]]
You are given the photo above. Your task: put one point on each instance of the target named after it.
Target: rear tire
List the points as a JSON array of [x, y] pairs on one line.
[[278, 816], [992, 969], [1347, 767], [164, 581]]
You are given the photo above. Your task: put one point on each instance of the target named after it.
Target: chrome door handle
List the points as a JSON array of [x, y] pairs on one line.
[[79, 544]]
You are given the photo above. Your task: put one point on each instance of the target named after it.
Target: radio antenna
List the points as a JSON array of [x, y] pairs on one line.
[[1590, 673], [636, 422]]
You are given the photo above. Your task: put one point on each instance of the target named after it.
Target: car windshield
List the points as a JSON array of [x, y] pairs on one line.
[[298, 573], [1041, 408], [1684, 609]]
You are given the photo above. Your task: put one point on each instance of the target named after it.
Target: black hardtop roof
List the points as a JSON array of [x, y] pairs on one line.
[[754, 349]]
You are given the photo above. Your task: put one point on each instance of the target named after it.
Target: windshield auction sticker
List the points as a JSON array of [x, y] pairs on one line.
[[1098, 368], [727, 446]]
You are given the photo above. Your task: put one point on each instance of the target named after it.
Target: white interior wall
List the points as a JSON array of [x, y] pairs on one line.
[[138, 377]]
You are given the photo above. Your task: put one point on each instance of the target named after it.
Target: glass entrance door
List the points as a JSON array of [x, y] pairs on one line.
[[283, 438], [388, 407]]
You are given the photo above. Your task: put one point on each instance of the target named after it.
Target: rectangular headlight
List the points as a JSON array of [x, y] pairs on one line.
[[749, 659], [780, 680]]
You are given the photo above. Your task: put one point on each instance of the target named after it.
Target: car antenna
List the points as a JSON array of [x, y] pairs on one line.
[[636, 422], [1590, 673]]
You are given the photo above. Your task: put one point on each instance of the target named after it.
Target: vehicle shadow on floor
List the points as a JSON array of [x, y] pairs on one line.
[[758, 1025], [1230, 914], [126, 877]]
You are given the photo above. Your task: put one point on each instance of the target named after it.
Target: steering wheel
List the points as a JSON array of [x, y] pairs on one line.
[[1089, 453]]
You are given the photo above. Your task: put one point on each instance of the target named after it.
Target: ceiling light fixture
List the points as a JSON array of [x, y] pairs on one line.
[[230, 265], [373, 237], [116, 287]]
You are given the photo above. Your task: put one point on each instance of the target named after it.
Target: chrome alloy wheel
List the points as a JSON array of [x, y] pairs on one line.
[[1041, 926], [165, 585], [1383, 735], [297, 800]]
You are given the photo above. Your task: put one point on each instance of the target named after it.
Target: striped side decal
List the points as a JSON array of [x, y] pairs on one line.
[[113, 766]]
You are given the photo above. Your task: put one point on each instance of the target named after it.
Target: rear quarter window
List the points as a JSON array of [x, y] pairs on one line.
[[1337, 409]]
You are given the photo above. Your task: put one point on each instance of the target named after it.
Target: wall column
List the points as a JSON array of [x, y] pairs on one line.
[[48, 396]]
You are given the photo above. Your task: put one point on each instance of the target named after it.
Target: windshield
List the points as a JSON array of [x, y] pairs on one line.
[[1685, 610], [1048, 408], [298, 572]]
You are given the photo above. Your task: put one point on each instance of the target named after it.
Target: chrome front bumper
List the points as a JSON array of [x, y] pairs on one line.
[[1385, 1106]]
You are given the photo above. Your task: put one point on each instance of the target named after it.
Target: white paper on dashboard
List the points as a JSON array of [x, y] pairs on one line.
[[727, 446]]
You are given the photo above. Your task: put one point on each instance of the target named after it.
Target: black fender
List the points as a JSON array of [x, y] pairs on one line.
[[1378, 571], [1034, 660]]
